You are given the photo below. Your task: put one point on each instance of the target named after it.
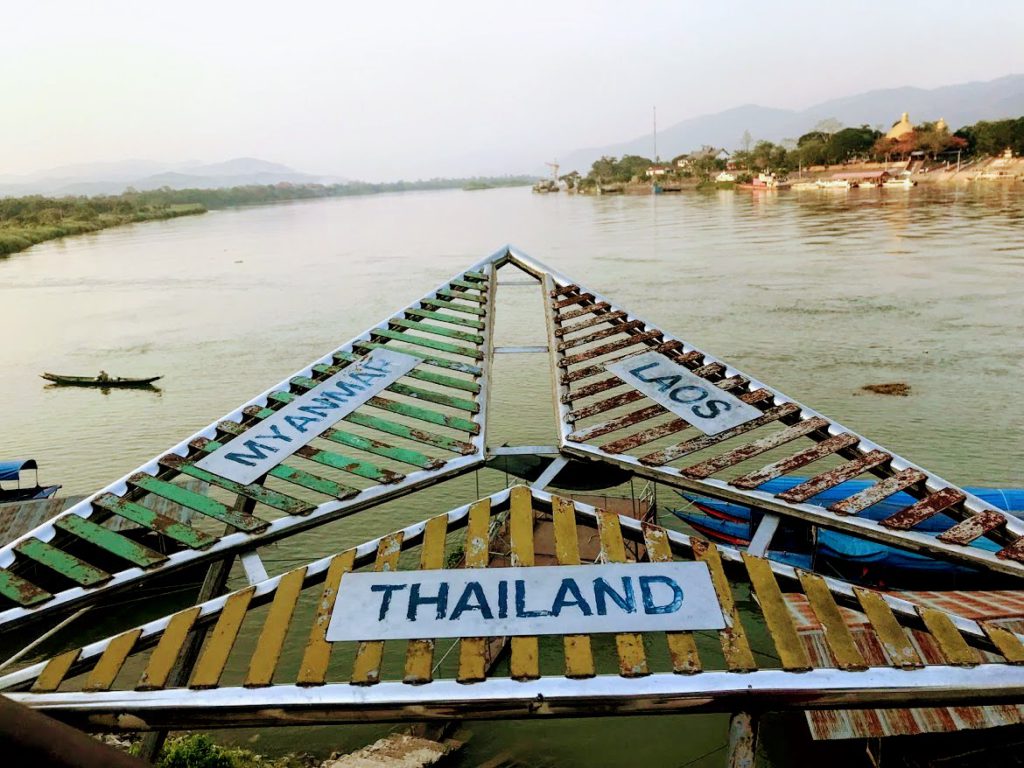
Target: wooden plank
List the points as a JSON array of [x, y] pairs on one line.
[[1005, 641], [114, 656], [776, 614], [572, 300], [837, 634], [444, 318], [891, 635], [441, 379], [316, 657], [424, 414], [591, 389], [411, 433], [645, 436], [630, 646], [833, 477], [573, 314], [455, 307], [53, 673], [353, 466], [439, 398], [378, 448], [473, 650], [590, 323], [608, 404], [474, 275], [426, 357], [469, 285], [579, 658], [973, 527], [614, 425], [681, 645], [735, 646], [279, 501], [67, 565], [108, 540], [218, 645], [606, 349], [560, 290], [147, 518], [598, 335], [271, 641], [21, 591], [450, 294], [881, 490], [952, 644], [366, 667], [167, 650], [763, 445], [592, 370], [419, 341], [525, 662], [929, 506], [826, 447], [196, 502], [419, 656]]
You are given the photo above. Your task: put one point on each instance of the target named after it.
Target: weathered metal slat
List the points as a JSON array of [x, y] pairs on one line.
[[763, 445], [837, 634], [424, 414], [316, 657], [473, 650], [268, 649], [630, 646], [619, 422], [461, 295], [102, 676], [434, 378], [411, 433], [167, 650], [1008, 643], [525, 655], [437, 330], [607, 404], [221, 640], [20, 590], [419, 655], [826, 447], [562, 290], [147, 518], [891, 635], [948, 637], [590, 323], [578, 299], [67, 565], [568, 377], [376, 447], [579, 657], [973, 527], [439, 398], [441, 303], [470, 285], [735, 646], [419, 341], [573, 314], [351, 465], [681, 645], [927, 507], [428, 359], [833, 477], [592, 389], [605, 349], [196, 502], [109, 541], [706, 441], [370, 655], [472, 274], [1013, 552], [709, 370], [598, 335], [287, 504], [776, 614], [54, 672], [883, 489], [444, 318]]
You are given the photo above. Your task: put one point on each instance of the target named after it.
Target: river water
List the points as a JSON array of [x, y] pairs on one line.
[[815, 293]]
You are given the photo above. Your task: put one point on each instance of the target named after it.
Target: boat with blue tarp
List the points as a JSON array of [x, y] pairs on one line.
[[10, 472]]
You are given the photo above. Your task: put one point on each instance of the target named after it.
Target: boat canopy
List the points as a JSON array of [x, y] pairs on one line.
[[11, 470]]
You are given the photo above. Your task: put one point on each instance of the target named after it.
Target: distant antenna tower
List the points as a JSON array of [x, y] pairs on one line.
[[655, 134]]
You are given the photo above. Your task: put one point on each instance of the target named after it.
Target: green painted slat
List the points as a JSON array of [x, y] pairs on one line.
[[438, 362], [423, 414], [347, 464], [416, 373], [454, 307], [196, 501], [287, 504], [411, 433], [110, 541], [475, 275], [21, 591], [66, 565], [404, 455], [441, 316], [468, 284], [435, 397], [437, 330], [419, 341], [147, 518], [462, 295]]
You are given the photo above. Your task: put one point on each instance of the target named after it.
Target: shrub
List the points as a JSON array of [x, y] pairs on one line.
[[196, 750]]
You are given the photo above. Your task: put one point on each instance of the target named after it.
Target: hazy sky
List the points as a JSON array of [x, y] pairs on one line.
[[379, 90]]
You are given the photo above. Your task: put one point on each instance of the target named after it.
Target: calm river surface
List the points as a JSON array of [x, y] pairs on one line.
[[817, 294]]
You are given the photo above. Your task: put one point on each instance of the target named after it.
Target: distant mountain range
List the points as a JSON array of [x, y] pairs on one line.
[[115, 177], [959, 104]]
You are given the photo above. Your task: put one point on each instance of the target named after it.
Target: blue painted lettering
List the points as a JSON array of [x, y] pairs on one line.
[[569, 586], [648, 598], [473, 590], [415, 601], [255, 453], [362, 377], [276, 435], [385, 602], [713, 409], [637, 371], [625, 601], [502, 599], [349, 388], [686, 394], [521, 612], [299, 422]]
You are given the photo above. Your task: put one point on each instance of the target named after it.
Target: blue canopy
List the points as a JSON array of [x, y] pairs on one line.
[[11, 470]]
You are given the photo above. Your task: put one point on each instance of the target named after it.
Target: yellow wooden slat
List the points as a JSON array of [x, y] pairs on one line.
[[166, 653], [218, 645], [681, 645], [952, 644], [110, 663], [419, 657], [735, 646], [313, 669], [579, 657], [366, 667], [473, 650], [837, 633], [630, 646], [1006, 642], [275, 627], [890, 634], [53, 673], [776, 614], [525, 660]]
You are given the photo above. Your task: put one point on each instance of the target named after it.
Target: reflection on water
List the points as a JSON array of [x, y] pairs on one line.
[[816, 293]]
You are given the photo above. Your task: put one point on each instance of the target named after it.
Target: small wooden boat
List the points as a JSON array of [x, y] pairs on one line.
[[99, 381], [11, 471]]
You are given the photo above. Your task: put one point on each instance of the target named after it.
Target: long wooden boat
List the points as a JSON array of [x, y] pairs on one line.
[[96, 381], [11, 471]]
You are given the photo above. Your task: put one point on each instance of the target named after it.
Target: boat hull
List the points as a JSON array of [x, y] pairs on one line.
[[92, 381]]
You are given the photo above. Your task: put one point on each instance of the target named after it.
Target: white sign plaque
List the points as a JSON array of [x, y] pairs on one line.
[[545, 600], [258, 450], [696, 400]]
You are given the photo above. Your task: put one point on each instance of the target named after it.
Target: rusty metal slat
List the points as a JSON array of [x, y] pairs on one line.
[[562, 303], [279, 501], [434, 378], [348, 464], [473, 650], [883, 489], [441, 303], [379, 448], [645, 436], [437, 330], [706, 441], [837, 634], [271, 640], [573, 314], [826, 447], [366, 667], [1013, 552], [471, 274], [605, 349], [478, 286], [525, 661], [898, 648], [110, 663], [21, 591], [448, 293], [217, 648], [589, 323], [756, 448], [598, 335], [948, 637], [412, 433], [776, 614], [109, 541], [197, 502], [620, 422], [709, 370], [560, 290], [579, 657], [973, 527], [420, 341], [592, 389], [833, 477], [681, 645], [440, 398], [607, 404], [67, 565], [316, 657], [426, 357], [735, 646], [53, 673], [147, 518], [629, 645], [443, 317], [1007, 642], [927, 507], [167, 650], [419, 655]]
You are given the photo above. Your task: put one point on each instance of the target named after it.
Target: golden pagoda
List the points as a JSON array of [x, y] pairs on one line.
[[900, 128]]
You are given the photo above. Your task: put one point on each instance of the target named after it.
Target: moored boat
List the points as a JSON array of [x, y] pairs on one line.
[[10, 471], [99, 381]]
